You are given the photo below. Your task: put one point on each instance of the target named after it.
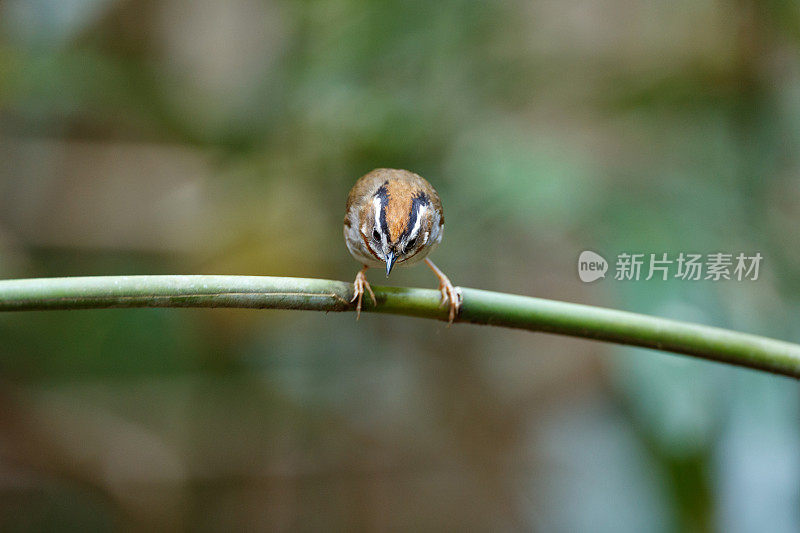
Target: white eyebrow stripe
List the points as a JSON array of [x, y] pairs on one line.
[[376, 205], [420, 213]]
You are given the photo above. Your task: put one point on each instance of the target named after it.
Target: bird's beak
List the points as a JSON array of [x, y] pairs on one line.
[[390, 259]]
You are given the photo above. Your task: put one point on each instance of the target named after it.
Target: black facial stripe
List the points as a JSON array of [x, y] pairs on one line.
[[416, 202], [383, 194]]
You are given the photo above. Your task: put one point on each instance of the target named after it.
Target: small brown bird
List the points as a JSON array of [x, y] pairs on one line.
[[394, 217]]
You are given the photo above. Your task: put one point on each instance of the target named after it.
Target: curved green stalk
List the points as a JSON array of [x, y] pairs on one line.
[[479, 307]]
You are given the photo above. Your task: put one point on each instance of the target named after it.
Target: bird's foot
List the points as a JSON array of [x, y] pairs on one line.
[[359, 285], [451, 295]]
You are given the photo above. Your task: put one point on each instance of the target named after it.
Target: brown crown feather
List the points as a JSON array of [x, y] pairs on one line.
[[398, 206]]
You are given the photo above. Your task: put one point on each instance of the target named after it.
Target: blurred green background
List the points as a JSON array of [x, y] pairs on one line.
[[180, 136]]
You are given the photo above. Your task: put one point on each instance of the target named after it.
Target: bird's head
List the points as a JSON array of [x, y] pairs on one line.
[[398, 223]]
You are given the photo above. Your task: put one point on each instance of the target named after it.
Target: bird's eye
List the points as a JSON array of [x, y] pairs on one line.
[[376, 235], [411, 243]]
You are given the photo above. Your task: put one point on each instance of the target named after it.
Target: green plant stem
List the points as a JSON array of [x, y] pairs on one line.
[[479, 307]]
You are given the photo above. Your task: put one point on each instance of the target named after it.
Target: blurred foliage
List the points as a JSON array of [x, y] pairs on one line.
[[178, 136]]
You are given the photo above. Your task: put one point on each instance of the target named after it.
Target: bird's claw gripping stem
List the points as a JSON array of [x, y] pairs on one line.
[[449, 292], [359, 285], [452, 295]]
